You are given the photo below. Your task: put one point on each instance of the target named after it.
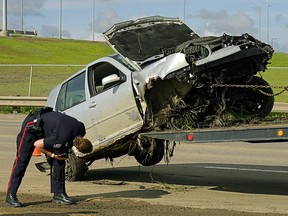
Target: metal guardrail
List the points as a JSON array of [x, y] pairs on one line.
[[16, 101], [21, 32], [280, 107]]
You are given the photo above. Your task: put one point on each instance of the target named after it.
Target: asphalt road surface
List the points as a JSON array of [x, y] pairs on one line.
[[201, 179]]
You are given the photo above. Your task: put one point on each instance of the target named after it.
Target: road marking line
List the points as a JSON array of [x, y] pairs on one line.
[[245, 169]]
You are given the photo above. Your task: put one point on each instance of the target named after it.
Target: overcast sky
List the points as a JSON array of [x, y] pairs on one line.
[[206, 17]]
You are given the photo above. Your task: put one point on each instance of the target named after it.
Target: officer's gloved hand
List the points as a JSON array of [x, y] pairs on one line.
[[63, 155]]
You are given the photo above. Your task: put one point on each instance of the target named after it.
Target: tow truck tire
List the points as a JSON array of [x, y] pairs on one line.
[[146, 157], [76, 168]]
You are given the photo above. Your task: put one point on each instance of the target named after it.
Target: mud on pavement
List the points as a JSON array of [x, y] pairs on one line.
[[89, 205]]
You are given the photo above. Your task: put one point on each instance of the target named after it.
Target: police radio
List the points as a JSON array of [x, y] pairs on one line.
[[36, 127]]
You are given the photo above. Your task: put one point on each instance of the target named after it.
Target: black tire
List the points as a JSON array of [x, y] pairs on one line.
[[76, 168], [262, 103], [151, 152]]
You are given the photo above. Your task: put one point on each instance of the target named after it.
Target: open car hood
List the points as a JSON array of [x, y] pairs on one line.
[[149, 37]]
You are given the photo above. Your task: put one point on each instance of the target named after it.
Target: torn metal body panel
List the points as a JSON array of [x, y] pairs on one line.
[[159, 69]]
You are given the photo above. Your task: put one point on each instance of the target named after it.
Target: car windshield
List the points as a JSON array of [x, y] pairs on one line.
[[123, 61]]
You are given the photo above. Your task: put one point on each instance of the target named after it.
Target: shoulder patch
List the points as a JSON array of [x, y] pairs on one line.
[[57, 146]]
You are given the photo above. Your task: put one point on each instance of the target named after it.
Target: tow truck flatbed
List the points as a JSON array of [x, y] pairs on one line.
[[224, 134]]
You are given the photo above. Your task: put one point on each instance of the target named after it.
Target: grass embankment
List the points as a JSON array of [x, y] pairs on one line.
[[33, 50], [28, 50], [279, 60]]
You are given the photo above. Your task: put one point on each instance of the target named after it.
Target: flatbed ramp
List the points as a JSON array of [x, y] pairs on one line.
[[225, 134]]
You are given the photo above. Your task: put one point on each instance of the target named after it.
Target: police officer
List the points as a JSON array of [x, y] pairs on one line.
[[58, 133]]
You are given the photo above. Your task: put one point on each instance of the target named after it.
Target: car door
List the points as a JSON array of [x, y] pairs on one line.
[[113, 109], [71, 100]]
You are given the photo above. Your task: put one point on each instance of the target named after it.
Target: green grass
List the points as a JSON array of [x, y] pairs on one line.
[[33, 50], [279, 60]]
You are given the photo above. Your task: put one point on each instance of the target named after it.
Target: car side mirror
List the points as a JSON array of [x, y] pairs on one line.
[[112, 79]]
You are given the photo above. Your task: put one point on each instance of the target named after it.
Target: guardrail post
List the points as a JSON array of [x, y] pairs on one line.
[[30, 81], [16, 109]]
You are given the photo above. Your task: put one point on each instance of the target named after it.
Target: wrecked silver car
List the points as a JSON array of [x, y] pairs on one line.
[[164, 76]]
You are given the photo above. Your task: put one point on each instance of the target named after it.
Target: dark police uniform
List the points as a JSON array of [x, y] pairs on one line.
[[59, 130]]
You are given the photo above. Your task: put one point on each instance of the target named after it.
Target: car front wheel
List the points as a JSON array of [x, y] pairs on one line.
[[76, 168]]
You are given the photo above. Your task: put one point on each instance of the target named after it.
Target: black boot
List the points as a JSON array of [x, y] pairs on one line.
[[62, 198], [11, 200]]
